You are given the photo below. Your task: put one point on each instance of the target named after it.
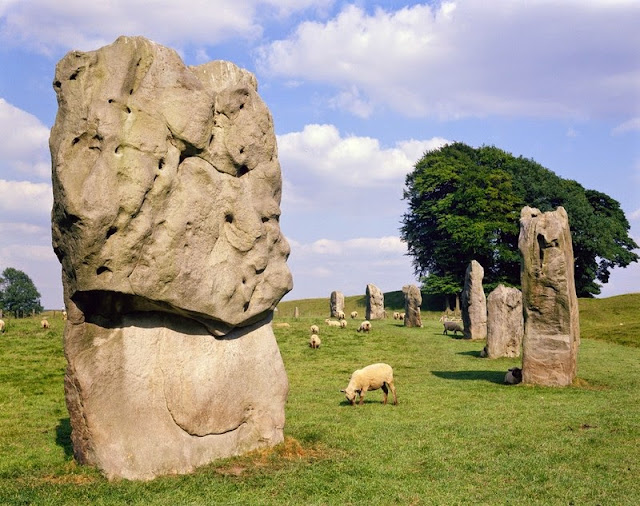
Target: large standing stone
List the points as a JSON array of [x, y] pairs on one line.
[[474, 303], [166, 210], [374, 303], [551, 319], [412, 302], [505, 323], [336, 303]]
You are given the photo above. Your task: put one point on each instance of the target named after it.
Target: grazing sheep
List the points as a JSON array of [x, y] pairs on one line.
[[64, 315], [354, 314], [513, 376], [281, 325], [44, 323], [314, 329], [396, 315], [365, 326], [343, 324], [401, 316], [314, 342], [332, 323], [1, 325], [371, 377], [453, 326], [340, 315]]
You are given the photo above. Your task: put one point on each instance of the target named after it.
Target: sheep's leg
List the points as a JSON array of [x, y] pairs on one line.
[[393, 391], [362, 392], [386, 393]]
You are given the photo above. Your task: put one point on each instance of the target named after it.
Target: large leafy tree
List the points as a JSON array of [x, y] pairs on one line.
[[464, 204], [18, 294]]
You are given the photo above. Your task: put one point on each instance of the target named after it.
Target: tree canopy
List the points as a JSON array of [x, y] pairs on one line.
[[18, 294], [464, 204]]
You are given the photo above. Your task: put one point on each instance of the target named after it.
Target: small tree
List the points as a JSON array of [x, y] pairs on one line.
[[18, 294]]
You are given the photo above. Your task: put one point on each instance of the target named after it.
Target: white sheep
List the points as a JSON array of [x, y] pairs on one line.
[[314, 329], [332, 323], [44, 323], [281, 325], [365, 326], [513, 376], [396, 315], [314, 341], [340, 315], [401, 316], [354, 314], [371, 377], [343, 324], [64, 315], [1, 325]]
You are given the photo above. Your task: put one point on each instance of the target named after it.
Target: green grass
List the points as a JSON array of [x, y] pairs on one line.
[[458, 436]]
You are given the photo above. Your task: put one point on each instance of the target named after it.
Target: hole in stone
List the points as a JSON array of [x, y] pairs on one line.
[[102, 270], [161, 164], [111, 231], [57, 84], [241, 106], [241, 150], [259, 271], [228, 218], [75, 141], [118, 149], [242, 170], [128, 110], [211, 139], [245, 307], [265, 219], [131, 91], [110, 101], [244, 281], [73, 76]]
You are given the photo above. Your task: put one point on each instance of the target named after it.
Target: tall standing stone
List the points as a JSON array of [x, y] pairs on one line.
[[374, 303], [412, 302], [336, 303], [474, 303], [551, 319], [167, 188], [505, 323]]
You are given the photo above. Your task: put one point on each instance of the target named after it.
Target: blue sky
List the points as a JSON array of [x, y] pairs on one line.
[[358, 92]]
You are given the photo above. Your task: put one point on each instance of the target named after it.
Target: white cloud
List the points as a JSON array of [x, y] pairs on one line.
[[25, 197], [635, 215], [48, 24], [23, 229], [632, 125], [349, 160], [23, 142], [356, 246], [542, 59]]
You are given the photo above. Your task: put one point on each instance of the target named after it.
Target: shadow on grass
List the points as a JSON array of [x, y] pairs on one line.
[[471, 353], [63, 436], [490, 376]]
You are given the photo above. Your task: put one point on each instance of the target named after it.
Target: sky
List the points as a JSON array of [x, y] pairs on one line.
[[359, 91]]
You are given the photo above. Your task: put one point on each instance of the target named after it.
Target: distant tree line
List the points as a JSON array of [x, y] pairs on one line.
[[464, 204], [18, 294]]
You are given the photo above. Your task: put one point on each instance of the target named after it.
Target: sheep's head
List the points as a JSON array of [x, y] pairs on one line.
[[350, 395]]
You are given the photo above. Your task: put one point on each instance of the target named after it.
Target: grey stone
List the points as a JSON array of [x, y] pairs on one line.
[[374, 303], [474, 303], [412, 302], [167, 190], [505, 322], [551, 317], [336, 304]]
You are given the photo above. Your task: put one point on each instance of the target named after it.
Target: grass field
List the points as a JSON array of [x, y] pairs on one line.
[[458, 435]]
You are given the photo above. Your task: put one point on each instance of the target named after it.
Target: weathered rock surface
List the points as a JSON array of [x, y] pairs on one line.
[[374, 303], [166, 222], [336, 303], [505, 322], [412, 302], [551, 318], [474, 303]]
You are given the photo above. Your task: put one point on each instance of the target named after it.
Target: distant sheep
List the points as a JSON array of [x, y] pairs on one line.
[[371, 377], [332, 323], [314, 329], [365, 326], [354, 314], [314, 341], [452, 326], [513, 376], [281, 325], [401, 316], [64, 315], [343, 324], [396, 315], [44, 323], [2, 325], [340, 315]]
